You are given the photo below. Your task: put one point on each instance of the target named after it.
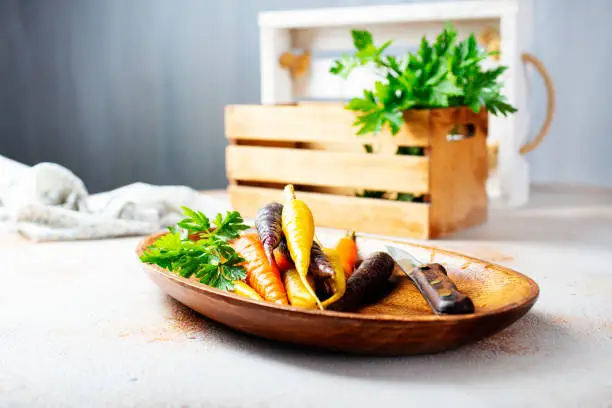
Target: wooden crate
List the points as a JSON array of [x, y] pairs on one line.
[[322, 34], [313, 146]]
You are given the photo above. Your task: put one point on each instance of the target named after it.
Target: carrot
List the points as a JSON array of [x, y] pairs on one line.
[[282, 256], [244, 290], [347, 251], [322, 270], [367, 280], [269, 228], [296, 292], [320, 266], [261, 276], [298, 227], [338, 283]]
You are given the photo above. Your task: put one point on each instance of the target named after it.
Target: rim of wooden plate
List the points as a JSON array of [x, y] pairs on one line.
[[530, 299]]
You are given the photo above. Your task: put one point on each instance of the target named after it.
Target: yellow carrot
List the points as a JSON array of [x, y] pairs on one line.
[[339, 282], [296, 292], [244, 290], [298, 227]]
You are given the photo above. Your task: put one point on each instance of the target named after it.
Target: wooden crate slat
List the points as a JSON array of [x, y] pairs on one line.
[[404, 34], [311, 122], [406, 174], [335, 211], [380, 15]]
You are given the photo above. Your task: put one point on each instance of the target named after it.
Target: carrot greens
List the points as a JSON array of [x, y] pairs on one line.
[[210, 258]]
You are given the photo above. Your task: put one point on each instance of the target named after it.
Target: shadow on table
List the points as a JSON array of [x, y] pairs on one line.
[[536, 342], [553, 213], [586, 226]]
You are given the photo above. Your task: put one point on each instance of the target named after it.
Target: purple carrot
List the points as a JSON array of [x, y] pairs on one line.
[[367, 281], [269, 227], [321, 269], [284, 249], [320, 266]]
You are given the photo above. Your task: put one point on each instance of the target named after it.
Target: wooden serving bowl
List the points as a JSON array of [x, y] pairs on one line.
[[400, 323]]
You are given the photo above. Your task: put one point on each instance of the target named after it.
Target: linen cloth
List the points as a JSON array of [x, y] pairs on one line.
[[48, 202]]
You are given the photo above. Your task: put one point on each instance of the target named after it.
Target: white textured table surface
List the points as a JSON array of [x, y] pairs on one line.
[[82, 326]]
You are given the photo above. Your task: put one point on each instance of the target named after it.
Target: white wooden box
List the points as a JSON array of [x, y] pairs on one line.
[[325, 33]]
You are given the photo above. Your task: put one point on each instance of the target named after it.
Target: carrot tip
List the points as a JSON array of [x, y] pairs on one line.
[[309, 289], [289, 192]]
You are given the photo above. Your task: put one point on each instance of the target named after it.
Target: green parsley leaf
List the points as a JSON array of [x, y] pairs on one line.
[[229, 227], [382, 92], [447, 88], [344, 66], [361, 39], [195, 221], [371, 194], [405, 197], [383, 48], [361, 104], [410, 151], [367, 54], [395, 120], [370, 123], [211, 258], [170, 242]]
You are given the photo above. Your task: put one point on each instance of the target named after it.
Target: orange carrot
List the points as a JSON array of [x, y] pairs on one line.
[[347, 251], [261, 275], [282, 256]]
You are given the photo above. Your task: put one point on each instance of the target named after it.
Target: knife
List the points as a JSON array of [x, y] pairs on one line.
[[434, 284]]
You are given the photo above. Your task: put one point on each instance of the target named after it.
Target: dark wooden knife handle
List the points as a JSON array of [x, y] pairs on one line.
[[439, 291]]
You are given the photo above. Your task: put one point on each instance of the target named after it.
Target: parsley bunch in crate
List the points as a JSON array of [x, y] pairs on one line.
[[445, 73]]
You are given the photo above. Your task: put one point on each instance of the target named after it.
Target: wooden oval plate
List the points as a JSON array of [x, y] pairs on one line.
[[401, 323]]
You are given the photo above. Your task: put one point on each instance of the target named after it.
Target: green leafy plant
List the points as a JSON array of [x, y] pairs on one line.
[[210, 258], [445, 73]]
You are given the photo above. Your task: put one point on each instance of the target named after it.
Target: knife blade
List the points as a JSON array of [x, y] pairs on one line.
[[434, 284]]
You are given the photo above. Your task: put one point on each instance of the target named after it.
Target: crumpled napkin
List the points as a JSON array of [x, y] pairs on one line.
[[47, 202]]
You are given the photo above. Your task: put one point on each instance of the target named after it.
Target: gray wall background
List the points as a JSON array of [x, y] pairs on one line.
[[133, 90]]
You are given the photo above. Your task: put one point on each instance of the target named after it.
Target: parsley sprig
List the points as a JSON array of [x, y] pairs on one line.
[[445, 73], [210, 258]]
